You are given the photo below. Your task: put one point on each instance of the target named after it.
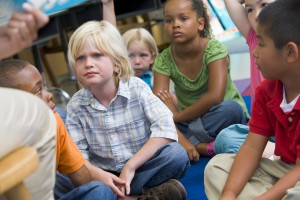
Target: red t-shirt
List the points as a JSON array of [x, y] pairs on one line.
[[268, 119]]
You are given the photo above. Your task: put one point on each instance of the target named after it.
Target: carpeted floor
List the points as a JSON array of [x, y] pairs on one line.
[[193, 181]]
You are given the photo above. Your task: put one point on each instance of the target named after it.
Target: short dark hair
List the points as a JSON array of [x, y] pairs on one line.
[[8, 69], [281, 21]]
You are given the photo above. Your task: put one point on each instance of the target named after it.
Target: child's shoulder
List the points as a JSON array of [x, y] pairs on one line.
[[81, 97]]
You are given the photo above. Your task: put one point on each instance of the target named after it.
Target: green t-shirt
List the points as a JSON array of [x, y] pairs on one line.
[[189, 91]]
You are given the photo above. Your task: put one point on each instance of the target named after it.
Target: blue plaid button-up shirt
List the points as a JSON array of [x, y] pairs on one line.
[[108, 137]]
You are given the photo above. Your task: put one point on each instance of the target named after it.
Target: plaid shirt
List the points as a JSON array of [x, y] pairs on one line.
[[109, 137]]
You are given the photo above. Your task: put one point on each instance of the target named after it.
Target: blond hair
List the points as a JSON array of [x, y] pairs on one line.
[[142, 35], [106, 39]]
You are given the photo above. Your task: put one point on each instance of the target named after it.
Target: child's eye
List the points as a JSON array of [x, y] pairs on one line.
[[264, 5], [38, 91], [143, 55], [131, 55], [249, 10], [184, 19], [168, 21], [97, 55], [79, 58]]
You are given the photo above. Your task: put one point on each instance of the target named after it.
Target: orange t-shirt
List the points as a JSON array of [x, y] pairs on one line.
[[68, 157]]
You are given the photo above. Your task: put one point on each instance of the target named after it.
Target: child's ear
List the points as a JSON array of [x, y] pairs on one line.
[[201, 23], [292, 52], [117, 69]]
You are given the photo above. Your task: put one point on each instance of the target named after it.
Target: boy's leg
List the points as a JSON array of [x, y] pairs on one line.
[[27, 121], [170, 162], [266, 175], [63, 185], [91, 191]]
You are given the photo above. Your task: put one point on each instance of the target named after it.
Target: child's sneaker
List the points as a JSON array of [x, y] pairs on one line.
[[169, 190]]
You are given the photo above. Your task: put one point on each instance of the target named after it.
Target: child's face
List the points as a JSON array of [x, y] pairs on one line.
[[253, 8], [30, 80], [140, 57], [93, 68], [269, 59], [181, 22]]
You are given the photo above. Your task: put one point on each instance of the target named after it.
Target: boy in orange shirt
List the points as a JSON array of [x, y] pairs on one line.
[[20, 74]]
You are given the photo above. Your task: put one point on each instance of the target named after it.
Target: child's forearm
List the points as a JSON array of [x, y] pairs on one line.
[[245, 164], [109, 12], [147, 152], [279, 190]]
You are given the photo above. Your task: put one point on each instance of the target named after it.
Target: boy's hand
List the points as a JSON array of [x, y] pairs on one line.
[[112, 181], [228, 196], [127, 175]]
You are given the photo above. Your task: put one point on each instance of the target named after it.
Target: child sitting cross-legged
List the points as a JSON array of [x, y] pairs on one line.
[[275, 112], [117, 122]]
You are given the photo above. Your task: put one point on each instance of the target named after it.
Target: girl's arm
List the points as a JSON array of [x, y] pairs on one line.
[[215, 93], [283, 184], [160, 83], [238, 15], [109, 11], [244, 165]]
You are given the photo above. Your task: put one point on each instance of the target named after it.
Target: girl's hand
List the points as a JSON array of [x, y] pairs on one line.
[[190, 149], [166, 97]]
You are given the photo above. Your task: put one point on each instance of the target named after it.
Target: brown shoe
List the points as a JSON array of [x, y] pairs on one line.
[[169, 190]]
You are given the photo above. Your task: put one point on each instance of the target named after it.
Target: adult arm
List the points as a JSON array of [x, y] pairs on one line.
[[239, 15], [108, 10], [21, 30], [244, 165]]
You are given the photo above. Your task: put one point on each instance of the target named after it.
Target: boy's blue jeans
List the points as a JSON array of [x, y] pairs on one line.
[[169, 162], [89, 191]]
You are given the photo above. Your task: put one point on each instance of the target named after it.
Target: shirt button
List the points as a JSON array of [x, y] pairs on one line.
[[292, 113], [290, 119]]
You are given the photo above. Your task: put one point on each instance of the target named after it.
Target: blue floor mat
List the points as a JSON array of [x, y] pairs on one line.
[[193, 181]]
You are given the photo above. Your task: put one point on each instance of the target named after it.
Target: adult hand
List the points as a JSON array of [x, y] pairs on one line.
[[21, 30]]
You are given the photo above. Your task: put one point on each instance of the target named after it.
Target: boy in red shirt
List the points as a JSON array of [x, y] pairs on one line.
[[276, 111]]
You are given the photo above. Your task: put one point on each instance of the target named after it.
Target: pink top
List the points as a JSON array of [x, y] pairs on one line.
[[255, 76]]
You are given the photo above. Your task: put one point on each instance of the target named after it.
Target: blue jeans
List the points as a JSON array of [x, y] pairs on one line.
[[89, 191], [169, 162], [206, 128]]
